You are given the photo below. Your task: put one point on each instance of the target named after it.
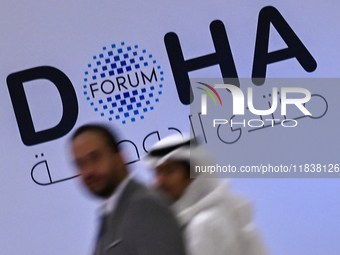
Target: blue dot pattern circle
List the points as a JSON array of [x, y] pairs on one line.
[[123, 83]]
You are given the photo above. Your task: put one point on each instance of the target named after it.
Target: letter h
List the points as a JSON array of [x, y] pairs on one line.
[[180, 67]]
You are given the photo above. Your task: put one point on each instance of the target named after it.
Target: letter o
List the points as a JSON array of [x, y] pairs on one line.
[[289, 120], [262, 123], [112, 87]]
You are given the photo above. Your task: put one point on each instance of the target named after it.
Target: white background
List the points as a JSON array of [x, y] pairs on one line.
[[295, 216]]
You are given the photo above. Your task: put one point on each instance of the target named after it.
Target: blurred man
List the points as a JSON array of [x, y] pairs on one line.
[[133, 220], [214, 221]]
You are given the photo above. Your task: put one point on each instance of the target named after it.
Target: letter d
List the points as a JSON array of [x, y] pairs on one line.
[[21, 109]]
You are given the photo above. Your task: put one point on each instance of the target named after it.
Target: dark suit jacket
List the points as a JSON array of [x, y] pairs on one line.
[[140, 224]]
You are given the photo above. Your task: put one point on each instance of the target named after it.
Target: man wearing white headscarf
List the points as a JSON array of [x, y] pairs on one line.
[[214, 221]]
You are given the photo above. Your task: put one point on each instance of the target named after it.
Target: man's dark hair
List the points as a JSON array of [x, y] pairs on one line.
[[186, 165], [109, 136]]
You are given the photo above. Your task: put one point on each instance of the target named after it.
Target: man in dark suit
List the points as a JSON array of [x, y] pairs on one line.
[[134, 221]]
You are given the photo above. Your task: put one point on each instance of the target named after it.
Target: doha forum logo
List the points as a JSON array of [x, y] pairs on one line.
[[123, 83]]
